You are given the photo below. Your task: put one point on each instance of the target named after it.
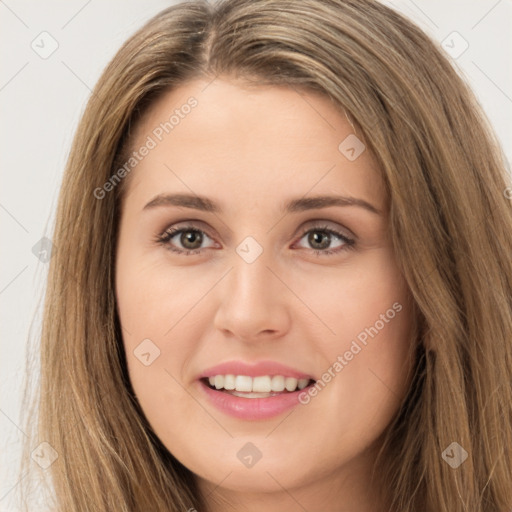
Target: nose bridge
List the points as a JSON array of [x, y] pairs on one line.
[[250, 282], [250, 300]]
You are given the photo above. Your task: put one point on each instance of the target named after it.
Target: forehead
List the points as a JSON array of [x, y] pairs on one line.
[[256, 143]]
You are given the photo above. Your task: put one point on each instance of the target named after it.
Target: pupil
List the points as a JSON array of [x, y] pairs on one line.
[[188, 237], [313, 239]]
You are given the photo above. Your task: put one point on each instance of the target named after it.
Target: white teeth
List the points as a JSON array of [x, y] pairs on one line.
[[261, 384], [277, 383], [229, 382], [219, 381], [290, 384], [243, 383], [302, 383]]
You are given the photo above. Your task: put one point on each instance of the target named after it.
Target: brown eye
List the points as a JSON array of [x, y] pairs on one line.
[[320, 239], [186, 240], [191, 239]]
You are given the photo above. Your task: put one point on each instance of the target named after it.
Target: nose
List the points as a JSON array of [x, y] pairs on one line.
[[252, 302]]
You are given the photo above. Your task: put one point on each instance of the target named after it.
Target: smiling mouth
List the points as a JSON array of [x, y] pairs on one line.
[[264, 386]]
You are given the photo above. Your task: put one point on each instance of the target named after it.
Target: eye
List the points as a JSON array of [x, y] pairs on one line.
[[320, 238], [190, 239]]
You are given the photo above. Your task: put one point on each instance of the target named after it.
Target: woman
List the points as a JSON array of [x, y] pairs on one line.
[[243, 366]]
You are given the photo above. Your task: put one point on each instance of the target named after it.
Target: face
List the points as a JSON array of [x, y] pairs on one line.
[[266, 329]]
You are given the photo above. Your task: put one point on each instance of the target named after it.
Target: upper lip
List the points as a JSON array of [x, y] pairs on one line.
[[254, 370]]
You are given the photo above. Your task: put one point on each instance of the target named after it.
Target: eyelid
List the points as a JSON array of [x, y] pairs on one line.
[[327, 224], [192, 224]]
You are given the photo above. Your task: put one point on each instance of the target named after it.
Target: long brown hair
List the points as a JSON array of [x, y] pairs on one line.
[[450, 221]]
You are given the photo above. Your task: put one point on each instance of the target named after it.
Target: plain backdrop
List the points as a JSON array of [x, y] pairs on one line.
[[52, 55]]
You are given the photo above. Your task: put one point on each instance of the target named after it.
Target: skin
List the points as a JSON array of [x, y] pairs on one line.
[[250, 150]]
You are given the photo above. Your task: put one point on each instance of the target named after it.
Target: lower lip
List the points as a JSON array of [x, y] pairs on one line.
[[251, 408]]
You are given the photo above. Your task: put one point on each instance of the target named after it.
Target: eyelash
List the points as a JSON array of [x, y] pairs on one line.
[[165, 237]]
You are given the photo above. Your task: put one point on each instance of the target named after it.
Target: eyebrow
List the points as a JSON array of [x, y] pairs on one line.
[[292, 206]]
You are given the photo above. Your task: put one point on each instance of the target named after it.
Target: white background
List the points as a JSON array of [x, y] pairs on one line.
[[40, 104]]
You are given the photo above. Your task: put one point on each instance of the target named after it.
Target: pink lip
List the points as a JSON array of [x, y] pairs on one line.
[[251, 408], [254, 370]]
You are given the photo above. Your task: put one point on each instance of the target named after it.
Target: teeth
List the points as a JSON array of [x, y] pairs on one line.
[[229, 382], [302, 383], [290, 384], [261, 384], [219, 381], [242, 382], [277, 383]]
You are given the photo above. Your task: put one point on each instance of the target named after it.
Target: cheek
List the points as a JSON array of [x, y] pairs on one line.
[[152, 296], [369, 352], [158, 309], [373, 366]]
